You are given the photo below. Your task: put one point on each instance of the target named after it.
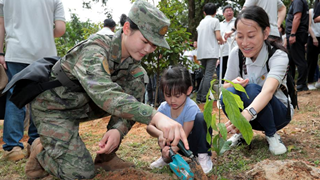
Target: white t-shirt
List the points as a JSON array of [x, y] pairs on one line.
[[257, 72], [226, 27], [314, 26], [105, 31], [189, 56], [29, 29], [189, 112], [208, 47], [271, 7]]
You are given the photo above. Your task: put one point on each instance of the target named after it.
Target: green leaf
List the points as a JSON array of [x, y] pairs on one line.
[[220, 145], [213, 122], [209, 137], [238, 87], [215, 144], [207, 113], [223, 130], [238, 100], [235, 116], [224, 145]]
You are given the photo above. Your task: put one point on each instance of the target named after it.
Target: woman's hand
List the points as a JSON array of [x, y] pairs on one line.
[[109, 142], [231, 128], [241, 81], [172, 130], [315, 42], [3, 62]]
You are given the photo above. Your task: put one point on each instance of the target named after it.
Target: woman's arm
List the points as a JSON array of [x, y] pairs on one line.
[[263, 98], [313, 36]]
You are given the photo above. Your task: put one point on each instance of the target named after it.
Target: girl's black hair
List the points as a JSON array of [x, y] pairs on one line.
[[176, 79], [258, 15]]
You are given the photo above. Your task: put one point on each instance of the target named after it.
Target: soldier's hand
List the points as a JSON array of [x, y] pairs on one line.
[[109, 142], [172, 130]]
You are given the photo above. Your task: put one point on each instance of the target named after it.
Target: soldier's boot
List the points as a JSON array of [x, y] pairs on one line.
[[111, 162], [33, 168]]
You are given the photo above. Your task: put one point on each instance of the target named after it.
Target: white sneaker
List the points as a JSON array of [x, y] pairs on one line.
[[205, 162], [159, 163], [276, 145], [317, 85], [236, 140], [311, 86]]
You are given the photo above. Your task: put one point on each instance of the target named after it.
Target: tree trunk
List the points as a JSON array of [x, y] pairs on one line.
[[192, 20]]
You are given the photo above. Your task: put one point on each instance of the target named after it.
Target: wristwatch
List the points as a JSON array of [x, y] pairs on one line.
[[1, 54], [292, 35], [252, 112]]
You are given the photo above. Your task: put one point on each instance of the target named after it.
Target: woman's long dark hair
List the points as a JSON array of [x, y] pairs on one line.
[[124, 18], [258, 15]]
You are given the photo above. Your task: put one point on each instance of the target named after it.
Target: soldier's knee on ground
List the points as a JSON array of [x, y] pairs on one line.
[[77, 172]]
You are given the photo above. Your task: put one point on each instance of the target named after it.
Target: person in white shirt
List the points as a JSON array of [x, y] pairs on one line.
[[226, 26], [276, 11], [313, 50], [208, 48], [108, 28], [266, 106]]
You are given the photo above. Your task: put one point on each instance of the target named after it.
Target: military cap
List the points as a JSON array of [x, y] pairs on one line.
[[152, 23]]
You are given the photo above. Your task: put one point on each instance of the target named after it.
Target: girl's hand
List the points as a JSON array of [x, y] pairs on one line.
[[165, 154], [241, 81]]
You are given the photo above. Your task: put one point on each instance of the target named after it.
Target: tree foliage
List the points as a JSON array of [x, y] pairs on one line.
[[76, 31], [177, 38]]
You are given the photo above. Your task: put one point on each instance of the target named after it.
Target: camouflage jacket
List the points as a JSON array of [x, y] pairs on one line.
[[115, 87]]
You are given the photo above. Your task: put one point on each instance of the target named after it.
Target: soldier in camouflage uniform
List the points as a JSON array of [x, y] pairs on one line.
[[112, 78]]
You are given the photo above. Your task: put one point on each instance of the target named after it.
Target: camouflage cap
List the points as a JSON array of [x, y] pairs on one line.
[[152, 23]]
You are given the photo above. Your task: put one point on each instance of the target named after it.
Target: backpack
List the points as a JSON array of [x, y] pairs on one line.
[[291, 91], [34, 79]]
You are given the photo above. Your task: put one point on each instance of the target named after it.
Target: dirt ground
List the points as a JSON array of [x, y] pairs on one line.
[[301, 136]]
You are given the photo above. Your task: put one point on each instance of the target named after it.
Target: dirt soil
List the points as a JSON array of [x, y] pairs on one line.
[[302, 134]]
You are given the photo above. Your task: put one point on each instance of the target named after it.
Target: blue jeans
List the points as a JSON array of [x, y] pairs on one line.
[[209, 70], [13, 127], [272, 117]]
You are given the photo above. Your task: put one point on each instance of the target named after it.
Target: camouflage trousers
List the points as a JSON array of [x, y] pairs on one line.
[[65, 154]]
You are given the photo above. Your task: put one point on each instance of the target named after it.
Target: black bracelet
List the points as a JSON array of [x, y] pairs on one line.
[[233, 29], [1, 54]]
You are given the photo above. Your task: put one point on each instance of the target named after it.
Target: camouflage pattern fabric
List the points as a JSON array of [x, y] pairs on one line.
[[111, 87]]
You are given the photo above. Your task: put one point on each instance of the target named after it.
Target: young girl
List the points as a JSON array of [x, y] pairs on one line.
[[267, 106], [176, 86]]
